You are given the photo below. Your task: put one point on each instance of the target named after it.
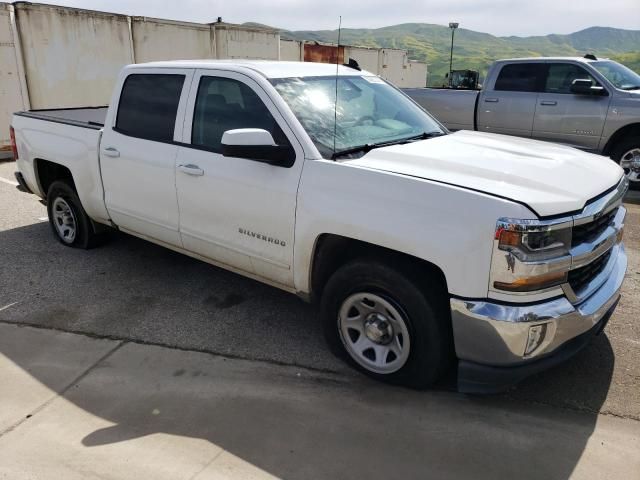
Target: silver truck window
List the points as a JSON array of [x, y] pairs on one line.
[[619, 75], [225, 104], [369, 111], [148, 106], [560, 76], [521, 77]]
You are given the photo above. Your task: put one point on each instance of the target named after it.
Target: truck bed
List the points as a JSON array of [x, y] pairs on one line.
[[87, 117], [453, 107], [69, 138]]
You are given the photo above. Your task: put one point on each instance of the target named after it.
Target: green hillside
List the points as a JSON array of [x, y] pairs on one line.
[[476, 50]]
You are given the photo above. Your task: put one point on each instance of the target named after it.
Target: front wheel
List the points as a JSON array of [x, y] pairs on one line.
[[387, 325], [627, 154]]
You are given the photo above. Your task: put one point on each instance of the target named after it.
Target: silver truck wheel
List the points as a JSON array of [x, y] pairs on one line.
[[388, 320], [64, 220], [69, 223], [374, 333], [630, 163]]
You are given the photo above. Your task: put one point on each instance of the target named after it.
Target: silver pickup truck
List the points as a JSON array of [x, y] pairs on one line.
[[583, 102]]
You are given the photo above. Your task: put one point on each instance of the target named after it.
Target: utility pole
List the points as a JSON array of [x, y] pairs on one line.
[[452, 26]]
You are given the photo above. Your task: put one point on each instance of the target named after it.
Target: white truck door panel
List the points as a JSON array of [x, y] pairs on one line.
[[138, 153], [236, 211], [562, 116]]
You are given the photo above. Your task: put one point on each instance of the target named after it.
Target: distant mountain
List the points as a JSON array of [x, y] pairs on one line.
[[475, 50], [257, 25]]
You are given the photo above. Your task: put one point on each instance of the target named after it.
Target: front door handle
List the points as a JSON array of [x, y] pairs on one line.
[[191, 169], [111, 152], [548, 102], [491, 100]]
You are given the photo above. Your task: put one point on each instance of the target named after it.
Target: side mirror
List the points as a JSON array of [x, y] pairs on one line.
[[584, 86], [256, 144]]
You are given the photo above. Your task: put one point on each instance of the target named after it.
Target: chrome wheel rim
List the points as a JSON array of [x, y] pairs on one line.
[[374, 332], [630, 163], [64, 220]]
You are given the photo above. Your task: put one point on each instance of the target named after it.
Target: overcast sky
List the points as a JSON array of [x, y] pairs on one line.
[[498, 17]]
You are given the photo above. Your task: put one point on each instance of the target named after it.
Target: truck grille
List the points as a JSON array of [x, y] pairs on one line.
[[580, 277], [584, 233]]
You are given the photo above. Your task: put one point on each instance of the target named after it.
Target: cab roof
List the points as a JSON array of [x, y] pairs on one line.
[[266, 68], [552, 59]]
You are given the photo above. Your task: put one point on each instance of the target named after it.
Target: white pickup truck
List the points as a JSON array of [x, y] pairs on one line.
[[424, 248]]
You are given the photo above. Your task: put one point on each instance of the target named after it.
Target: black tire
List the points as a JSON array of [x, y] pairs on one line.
[[84, 236], [627, 144], [422, 303]]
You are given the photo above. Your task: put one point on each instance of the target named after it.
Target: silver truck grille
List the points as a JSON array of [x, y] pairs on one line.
[[588, 231], [581, 277]]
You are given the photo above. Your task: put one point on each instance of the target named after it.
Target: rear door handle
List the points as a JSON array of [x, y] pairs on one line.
[[191, 169], [491, 100], [548, 102], [111, 152]]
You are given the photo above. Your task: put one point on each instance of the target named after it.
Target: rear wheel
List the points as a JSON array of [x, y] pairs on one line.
[[627, 154], [69, 222], [383, 323]]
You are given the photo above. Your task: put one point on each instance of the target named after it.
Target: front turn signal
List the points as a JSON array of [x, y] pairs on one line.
[[529, 284]]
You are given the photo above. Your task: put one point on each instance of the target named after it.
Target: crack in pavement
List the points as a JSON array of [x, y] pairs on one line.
[[98, 336]]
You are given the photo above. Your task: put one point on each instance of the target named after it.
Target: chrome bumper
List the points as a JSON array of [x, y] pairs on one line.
[[497, 334]]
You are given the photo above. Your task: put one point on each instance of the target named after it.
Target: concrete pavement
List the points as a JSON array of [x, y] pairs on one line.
[[97, 408]]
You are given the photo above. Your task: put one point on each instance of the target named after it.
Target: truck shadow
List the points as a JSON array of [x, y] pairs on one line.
[[330, 423]]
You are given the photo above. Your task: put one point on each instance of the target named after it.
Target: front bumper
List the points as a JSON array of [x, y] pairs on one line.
[[491, 338]]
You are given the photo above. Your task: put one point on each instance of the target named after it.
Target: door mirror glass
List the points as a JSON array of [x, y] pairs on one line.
[[256, 144], [584, 86]]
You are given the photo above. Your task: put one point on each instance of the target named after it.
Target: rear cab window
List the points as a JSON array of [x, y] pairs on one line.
[[521, 77], [148, 106]]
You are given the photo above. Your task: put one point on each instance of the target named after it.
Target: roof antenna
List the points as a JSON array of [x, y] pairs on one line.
[[335, 105]]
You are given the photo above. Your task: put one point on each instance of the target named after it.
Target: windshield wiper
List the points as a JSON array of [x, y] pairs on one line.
[[631, 87], [367, 147]]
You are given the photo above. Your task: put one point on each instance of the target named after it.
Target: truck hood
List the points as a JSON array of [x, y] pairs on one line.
[[551, 179]]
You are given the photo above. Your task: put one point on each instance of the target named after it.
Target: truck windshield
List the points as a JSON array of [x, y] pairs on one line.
[[370, 113], [619, 75]]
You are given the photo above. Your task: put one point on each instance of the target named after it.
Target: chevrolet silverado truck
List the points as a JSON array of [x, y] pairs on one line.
[[424, 249], [583, 102]]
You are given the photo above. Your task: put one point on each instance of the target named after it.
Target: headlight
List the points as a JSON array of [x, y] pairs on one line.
[[534, 243], [530, 255]]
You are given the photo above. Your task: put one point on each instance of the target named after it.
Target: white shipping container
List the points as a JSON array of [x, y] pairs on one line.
[[415, 75], [155, 40], [72, 57], [291, 50], [11, 95], [367, 58], [235, 41]]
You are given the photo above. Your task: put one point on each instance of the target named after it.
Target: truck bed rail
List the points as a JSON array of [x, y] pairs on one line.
[[85, 117]]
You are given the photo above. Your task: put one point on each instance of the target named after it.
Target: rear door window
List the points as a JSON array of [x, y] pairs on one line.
[[521, 77], [149, 105], [226, 104]]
